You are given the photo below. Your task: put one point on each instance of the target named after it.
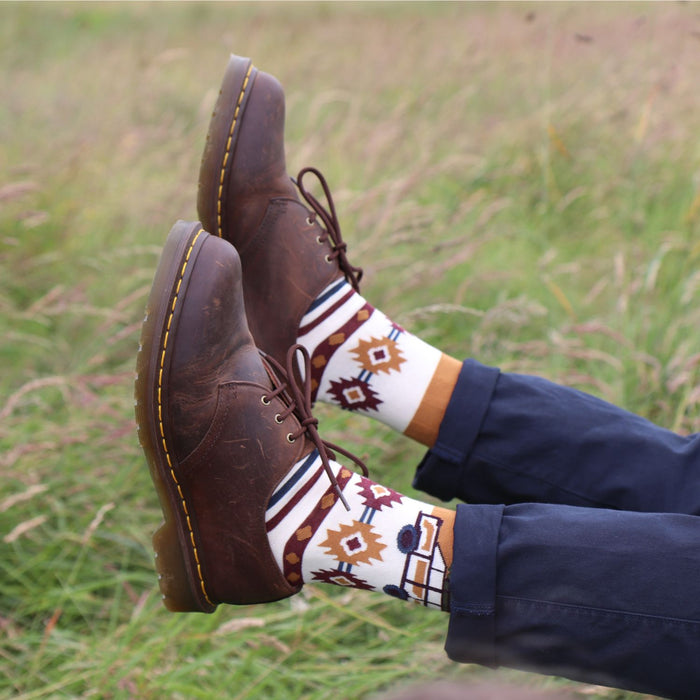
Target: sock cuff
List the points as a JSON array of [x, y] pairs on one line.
[[425, 424]]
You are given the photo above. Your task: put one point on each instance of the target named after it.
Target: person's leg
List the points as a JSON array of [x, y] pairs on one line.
[[509, 438], [254, 503], [594, 595], [255, 506], [298, 283], [505, 438], [376, 539]]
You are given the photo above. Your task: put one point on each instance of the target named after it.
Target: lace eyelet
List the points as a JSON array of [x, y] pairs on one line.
[[310, 221], [278, 419], [264, 401], [328, 259], [290, 438], [319, 240]]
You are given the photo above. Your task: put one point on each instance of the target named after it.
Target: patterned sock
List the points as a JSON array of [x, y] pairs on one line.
[[385, 542], [363, 361]]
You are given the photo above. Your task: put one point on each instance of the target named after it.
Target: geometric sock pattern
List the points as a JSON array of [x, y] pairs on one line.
[[385, 542], [362, 361]]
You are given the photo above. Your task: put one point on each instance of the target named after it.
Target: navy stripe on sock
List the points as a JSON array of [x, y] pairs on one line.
[[293, 479], [319, 300]]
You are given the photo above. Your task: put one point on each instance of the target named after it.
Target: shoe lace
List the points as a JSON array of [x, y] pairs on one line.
[[298, 400], [332, 226]]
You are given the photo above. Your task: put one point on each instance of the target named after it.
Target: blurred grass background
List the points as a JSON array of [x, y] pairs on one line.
[[520, 183]]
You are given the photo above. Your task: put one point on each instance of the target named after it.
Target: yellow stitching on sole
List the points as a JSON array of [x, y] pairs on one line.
[[183, 503], [229, 143]]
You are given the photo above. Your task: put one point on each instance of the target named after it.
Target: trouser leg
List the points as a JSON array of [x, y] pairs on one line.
[[594, 595], [509, 438]]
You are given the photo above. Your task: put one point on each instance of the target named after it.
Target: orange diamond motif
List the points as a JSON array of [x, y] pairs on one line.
[[354, 543], [327, 501], [303, 533], [337, 339], [353, 395], [379, 355]]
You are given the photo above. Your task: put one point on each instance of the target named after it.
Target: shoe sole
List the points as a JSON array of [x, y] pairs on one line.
[[222, 138], [177, 558]]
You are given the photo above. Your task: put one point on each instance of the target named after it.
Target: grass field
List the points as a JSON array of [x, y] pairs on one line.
[[520, 183]]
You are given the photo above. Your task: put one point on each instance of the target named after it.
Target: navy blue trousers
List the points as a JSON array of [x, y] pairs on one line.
[[577, 550]]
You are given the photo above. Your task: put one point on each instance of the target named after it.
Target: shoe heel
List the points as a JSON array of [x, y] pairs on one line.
[[170, 566]]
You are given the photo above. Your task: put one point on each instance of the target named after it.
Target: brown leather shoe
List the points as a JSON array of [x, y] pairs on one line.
[[218, 428], [246, 197]]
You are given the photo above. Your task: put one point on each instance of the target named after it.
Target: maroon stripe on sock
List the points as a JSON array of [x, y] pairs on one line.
[[297, 543], [303, 330], [326, 349], [274, 522]]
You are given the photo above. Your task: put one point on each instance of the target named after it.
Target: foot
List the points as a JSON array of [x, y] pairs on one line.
[[298, 284], [218, 427], [247, 197]]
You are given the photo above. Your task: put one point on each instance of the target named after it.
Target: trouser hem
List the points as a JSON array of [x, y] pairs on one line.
[[471, 635], [439, 473]]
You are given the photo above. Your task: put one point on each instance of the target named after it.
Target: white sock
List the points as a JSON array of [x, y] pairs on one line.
[[386, 541], [363, 361]]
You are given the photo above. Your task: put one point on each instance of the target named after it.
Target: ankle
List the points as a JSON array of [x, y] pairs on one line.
[[384, 542], [362, 361]]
